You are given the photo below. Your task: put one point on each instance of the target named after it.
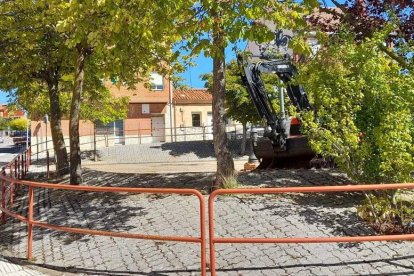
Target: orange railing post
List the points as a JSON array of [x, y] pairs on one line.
[[3, 197], [30, 224], [12, 173], [211, 235], [203, 243]]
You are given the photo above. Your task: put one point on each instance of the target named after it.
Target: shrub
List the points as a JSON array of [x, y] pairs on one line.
[[364, 117], [18, 124]]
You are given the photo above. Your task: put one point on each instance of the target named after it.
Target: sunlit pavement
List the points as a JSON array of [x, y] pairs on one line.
[[300, 215]]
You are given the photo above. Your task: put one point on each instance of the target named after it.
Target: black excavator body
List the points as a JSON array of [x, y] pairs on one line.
[[283, 145]]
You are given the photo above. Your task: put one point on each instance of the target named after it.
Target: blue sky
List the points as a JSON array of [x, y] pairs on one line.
[[3, 97], [191, 77]]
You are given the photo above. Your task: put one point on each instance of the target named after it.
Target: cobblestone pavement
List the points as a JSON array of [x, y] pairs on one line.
[[165, 152], [296, 215]]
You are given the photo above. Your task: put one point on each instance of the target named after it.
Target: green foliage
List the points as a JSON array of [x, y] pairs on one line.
[[230, 182], [242, 20], [101, 106], [365, 107], [364, 117], [384, 212], [18, 124], [125, 40], [4, 123]]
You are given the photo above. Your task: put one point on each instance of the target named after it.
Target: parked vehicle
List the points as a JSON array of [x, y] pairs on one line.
[[20, 140]]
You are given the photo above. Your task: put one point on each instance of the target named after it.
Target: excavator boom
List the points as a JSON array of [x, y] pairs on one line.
[[283, 146]]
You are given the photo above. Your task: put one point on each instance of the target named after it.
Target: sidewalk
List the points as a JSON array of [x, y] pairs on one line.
[[8, 268], [7, 153]]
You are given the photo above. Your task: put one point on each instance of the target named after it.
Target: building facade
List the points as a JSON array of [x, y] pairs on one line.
[[193, 117], [148, 119]]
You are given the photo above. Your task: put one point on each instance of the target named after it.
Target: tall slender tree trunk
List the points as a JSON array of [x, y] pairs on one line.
[[75, 157], [225, 163], [62, 163]]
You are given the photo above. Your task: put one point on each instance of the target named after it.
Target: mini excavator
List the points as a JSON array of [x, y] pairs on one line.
[[282, 144]]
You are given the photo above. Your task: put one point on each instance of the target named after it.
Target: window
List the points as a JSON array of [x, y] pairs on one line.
[[145, 108], [196, 119], [102, 129], [157, 81]]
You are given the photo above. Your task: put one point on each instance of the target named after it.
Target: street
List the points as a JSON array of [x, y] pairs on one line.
[[8, 151]]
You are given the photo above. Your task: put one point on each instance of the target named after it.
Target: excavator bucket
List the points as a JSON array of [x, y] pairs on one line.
[[297, 155]]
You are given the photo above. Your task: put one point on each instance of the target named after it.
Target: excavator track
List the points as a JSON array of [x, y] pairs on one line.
[[298, 154]]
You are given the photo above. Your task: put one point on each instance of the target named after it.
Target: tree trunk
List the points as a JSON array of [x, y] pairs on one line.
[[75, 158], [62, 164], [243, 142], [225, 164]]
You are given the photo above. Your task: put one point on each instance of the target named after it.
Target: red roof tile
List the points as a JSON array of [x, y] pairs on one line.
[[192, 96]]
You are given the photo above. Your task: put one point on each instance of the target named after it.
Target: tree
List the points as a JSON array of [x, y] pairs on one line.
[[366, 17], [4, 123], [18, 124], [364, 118], [218, 23], [238, 103], [122, 39], [32, 62]]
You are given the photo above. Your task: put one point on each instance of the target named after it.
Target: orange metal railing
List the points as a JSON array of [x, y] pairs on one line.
[[351, 188], [17, 168], [21, 168], [12, 173]]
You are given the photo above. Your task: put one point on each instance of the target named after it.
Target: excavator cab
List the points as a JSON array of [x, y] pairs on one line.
[[282, 145]]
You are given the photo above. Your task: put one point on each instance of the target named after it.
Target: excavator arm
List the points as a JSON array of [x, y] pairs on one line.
[[283, 145]]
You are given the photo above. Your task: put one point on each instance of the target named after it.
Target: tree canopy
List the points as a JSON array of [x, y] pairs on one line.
[[364, 104], [18, 124], [366, 17]]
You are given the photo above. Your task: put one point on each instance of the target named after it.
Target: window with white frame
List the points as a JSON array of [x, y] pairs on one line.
[[157, 81]]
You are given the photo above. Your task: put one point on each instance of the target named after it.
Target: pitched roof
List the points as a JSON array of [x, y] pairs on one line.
[[192, 96]]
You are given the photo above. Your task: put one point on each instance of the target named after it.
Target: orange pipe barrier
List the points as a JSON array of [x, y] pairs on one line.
[[14, 215], [323, 189], [3, 199], [31, 222], [12, 172]]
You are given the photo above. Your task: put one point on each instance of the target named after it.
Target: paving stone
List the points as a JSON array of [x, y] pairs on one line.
[[298, 215]]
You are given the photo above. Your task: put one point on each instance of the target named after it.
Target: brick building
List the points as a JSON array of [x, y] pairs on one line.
[[6, 113], [149, 118]]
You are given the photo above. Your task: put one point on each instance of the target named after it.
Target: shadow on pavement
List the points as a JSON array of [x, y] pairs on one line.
[[86, 271], [202, 149]]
